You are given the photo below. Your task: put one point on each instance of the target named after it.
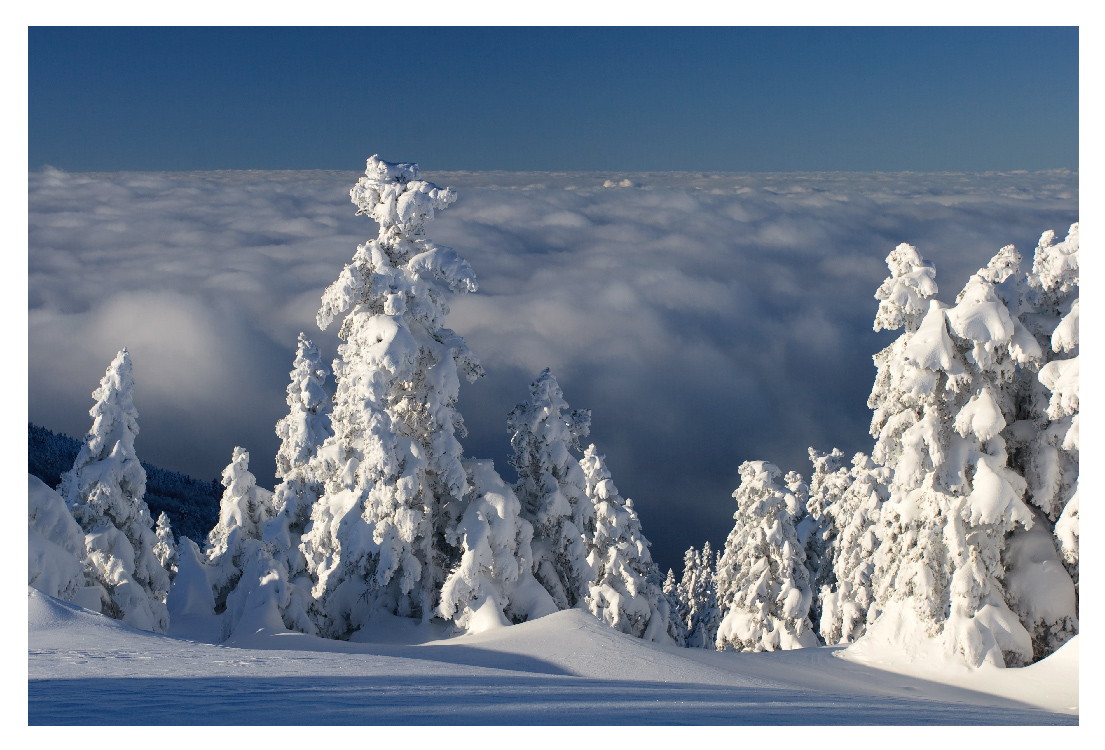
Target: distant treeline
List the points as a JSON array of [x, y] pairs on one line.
[[191, 504]]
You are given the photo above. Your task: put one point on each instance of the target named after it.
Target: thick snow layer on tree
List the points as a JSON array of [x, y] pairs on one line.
[[567, 668], [55, 543]]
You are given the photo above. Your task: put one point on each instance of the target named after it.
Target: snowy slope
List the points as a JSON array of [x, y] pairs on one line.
[[566, 668]]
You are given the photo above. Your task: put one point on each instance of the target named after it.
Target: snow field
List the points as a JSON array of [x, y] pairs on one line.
[[566, 668]]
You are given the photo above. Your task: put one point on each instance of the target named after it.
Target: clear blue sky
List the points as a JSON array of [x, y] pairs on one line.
[[727, 99]]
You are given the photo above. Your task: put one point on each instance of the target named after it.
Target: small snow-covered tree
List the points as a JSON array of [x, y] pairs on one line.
[[940, 403], [762, 584], [697, 594], [301, 432], [816, 530], [236, 558], [677, 610], [552, 489], [391, 473], [848, 604], [166, 548], [626, 592], [493, 584], [104, 490]]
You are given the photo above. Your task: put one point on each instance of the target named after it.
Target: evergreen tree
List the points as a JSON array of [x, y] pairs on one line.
[[552, 489], [104, 491], [166, 549], [847, 606], [626, 592], [940, 403], [698, 597], [55, 547], [1050, 310], [391, 474], [237, 560], [816, 530], [301, 432], [492, 585], [762, 584]]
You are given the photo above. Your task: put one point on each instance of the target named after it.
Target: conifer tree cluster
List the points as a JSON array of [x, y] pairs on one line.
[[960, 528]]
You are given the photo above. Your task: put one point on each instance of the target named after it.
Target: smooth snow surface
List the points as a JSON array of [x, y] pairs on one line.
[[566, 668]]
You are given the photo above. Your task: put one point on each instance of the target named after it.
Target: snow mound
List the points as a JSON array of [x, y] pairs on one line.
[[55, 623], [580, 644]]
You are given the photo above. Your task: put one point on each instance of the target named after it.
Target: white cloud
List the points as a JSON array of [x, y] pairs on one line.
[[705, 319]]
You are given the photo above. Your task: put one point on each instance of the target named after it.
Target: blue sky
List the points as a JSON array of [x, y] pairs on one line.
[[703, 99]]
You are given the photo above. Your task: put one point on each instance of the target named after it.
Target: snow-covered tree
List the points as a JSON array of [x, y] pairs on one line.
[[552, 489], [166, 548], [391, 473], [940, 402], [626, 592], [847, 604], [493, 584], [762, 584], [237, 560], [697, 596], [104, 492], [55, 546], [677, 611], [301, 432], [1050, 310], [816, 528]]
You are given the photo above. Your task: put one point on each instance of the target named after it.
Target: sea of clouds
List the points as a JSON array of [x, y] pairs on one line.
[[705, 319]]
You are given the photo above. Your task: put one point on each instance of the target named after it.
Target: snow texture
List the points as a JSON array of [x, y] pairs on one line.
[[566, 668]]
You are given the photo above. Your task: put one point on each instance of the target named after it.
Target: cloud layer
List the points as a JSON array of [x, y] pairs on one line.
[[705, 319]]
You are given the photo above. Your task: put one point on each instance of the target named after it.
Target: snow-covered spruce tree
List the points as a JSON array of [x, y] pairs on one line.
[[237, 560], [847, 606], [301, 432], [816, 529], [104, 491], [677, 610], [697, 595], [493, 584], [940, 403], [1050, 411], [391, 473], [762, 584], [166, 548], [626, 592], [552, 489]]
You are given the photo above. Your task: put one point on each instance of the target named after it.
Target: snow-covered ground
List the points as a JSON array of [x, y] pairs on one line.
[[566, 668]]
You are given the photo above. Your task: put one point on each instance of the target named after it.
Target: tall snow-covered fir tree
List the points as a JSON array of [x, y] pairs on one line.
[[104, 490], [301, 432], [940, 402], [553, 489], [391, 473], [697, 596], [626, 592], [1043, 444], [762, 583], [1051, 311]]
